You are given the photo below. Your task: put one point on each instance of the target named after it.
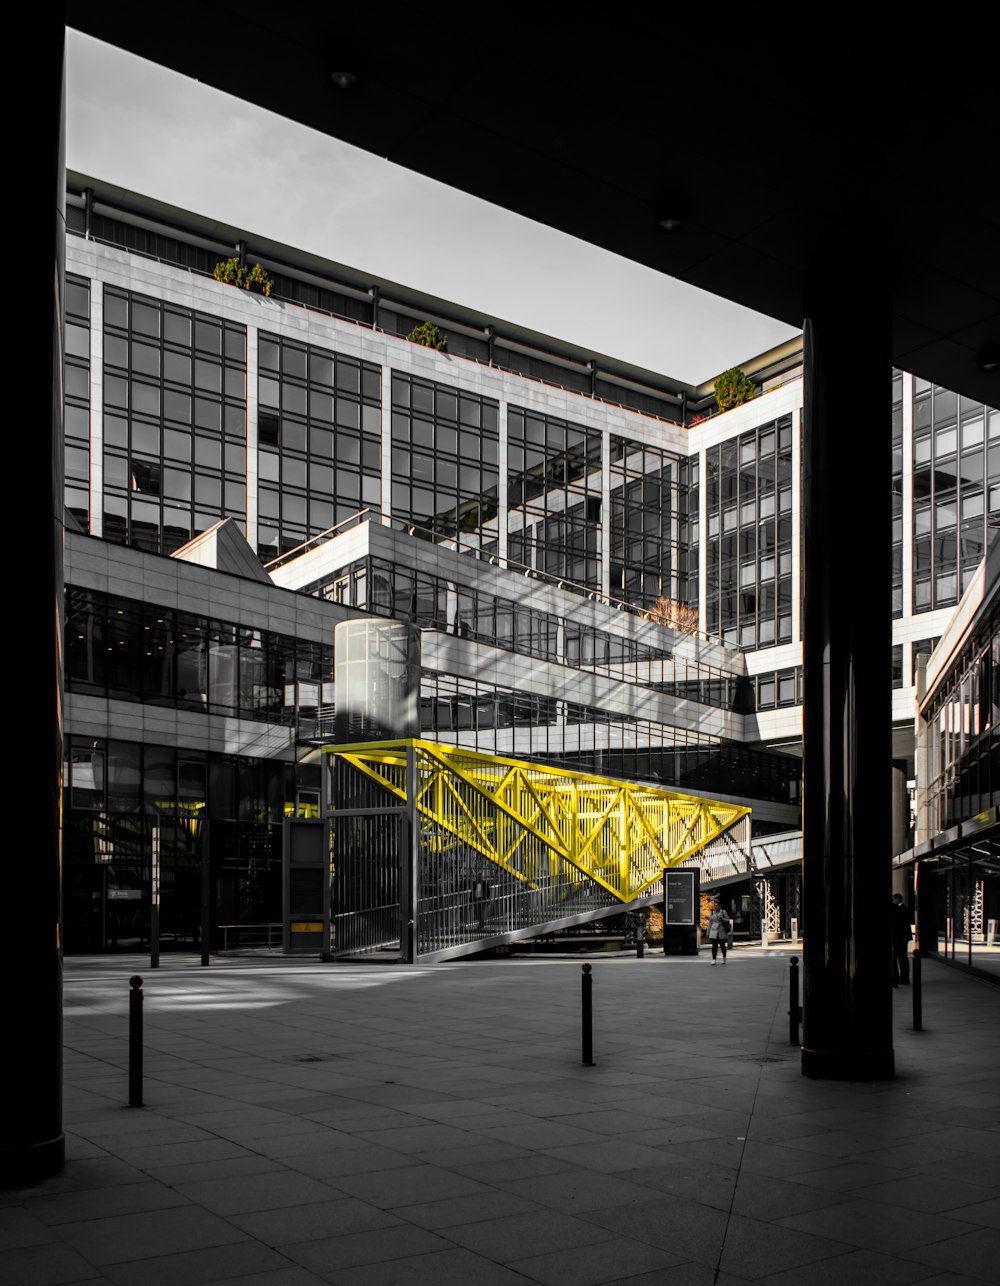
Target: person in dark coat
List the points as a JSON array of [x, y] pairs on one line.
[[900, 941]]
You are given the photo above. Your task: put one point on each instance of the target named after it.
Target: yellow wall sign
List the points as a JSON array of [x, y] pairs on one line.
[[306, 926]]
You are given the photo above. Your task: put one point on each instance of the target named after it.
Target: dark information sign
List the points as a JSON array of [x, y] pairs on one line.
[[680, 907]]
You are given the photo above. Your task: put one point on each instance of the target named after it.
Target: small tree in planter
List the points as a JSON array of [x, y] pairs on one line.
[[675, 615], [232, 273], [429, 336], [733, 388]]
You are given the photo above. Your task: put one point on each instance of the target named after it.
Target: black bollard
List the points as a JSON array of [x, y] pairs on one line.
[[917, 990], [588, 1018], [794, 1009], [135, 1041]]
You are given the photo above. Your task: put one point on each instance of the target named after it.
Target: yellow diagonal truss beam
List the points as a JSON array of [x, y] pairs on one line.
[[530, 818]]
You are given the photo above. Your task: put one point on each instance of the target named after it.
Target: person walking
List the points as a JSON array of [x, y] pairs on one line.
[[718, 930], [901, 935]]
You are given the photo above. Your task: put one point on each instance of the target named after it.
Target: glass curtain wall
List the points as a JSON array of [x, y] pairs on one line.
[[445, 447], [77, 399], [319, 449], [174, 422], [649, 524], [131, 651], [749, 564], [956, 486], [130, 805], [965, 718], [555, 493], [897, 495]]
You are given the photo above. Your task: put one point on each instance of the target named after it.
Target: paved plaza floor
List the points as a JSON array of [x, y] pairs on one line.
[[429, 1126]]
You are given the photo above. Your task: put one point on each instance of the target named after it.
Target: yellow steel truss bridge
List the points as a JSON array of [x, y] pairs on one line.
[[543, 826]]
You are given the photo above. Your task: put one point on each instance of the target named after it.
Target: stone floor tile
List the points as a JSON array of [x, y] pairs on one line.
[[271, 1190], [590, 1265], [709, 1187], [521, 1236], [332, 1165], [334, 1218], [578, 1190], [923, 1192], [333, 1254], [875, 1225], [755, 1247], [154, 1155], [101, 1203], [293, 1275], [196, 1267], [856, 1268], [779, 1161], [974, 1253], [451, 1211], [686, 1228], [46, 1265], [607, 1154], [19, 1227], [507, 1170], [148, 1235], [195, 1171], [406, 1186], [453, 1267], [978, 1212], [762, 1197], [420, 1138]]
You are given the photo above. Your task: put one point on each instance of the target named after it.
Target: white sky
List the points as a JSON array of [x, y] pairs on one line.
[[149, 130]]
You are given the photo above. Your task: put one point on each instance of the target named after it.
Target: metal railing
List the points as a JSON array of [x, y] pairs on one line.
[[459, 545], [251, 937]]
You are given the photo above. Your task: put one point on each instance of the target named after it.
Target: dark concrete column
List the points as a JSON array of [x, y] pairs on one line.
[[847, 748], [32, 1144]]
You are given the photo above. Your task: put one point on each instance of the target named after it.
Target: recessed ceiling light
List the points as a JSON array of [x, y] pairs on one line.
[[988, 359], [669, 210], [344, 65]]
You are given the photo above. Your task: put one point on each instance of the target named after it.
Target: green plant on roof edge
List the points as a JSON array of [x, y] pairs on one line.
[[733, 388], [429, 336], [232, 273]]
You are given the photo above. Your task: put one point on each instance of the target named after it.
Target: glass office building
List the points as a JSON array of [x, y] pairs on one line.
[[606, 573]]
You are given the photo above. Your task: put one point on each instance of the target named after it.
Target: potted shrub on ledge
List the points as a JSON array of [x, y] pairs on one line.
[[733, 388], [232, 273], [429, 336]]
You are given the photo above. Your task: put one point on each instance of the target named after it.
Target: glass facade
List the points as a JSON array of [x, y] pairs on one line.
[[129, 651], [963, 718], [897, 495], [76, 376], [497, 720], [778, 688], [554, 490], [749, 539], [956, 486], [649, 524], [174, 422], [434, 601], [319, 452], [445, 450], [694, 534], [130, 805]]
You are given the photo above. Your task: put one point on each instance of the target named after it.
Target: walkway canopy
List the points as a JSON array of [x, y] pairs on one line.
[[468, 850]]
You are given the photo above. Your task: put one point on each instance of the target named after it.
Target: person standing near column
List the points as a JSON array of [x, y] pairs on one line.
[[901, 934]]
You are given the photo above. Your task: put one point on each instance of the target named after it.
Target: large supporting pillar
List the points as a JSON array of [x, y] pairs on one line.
[[847, 750], [32, 1144]]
